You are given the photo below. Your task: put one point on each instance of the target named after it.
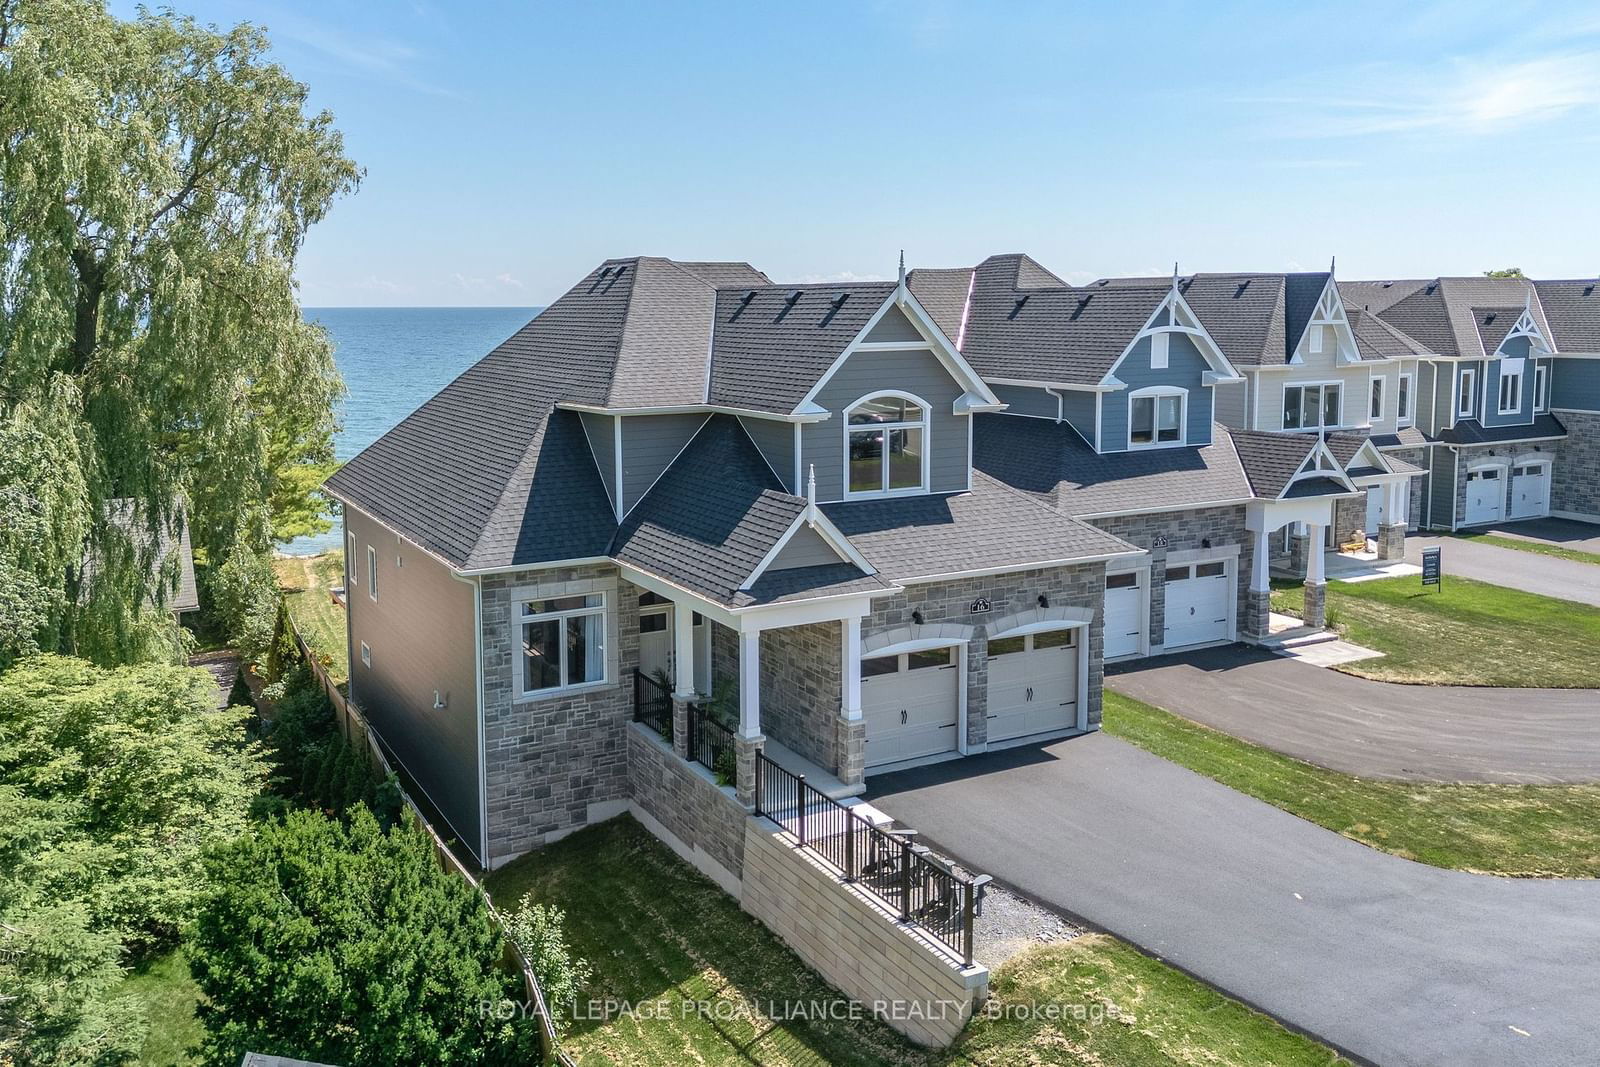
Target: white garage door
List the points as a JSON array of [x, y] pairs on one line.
[[1486, 495], [1033, 684], [1530, 490], [909, 703], [1197, 604], [1125, 617]]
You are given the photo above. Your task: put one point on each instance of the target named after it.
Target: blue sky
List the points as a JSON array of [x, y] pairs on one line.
[[508, 148]]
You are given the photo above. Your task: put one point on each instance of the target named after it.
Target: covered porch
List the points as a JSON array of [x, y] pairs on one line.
[[1263, 518]]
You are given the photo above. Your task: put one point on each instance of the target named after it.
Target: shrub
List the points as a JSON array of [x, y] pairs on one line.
[[244, 594], [347, 944], [538, 931], [239, 695]]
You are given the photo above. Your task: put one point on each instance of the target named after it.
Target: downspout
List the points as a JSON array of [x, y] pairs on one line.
[[477, 666], [1061, 403]]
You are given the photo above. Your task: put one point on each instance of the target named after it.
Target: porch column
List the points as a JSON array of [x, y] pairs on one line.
[[684, 690], [852, 731], [1258, 601], [1315, 615], [748, 740], [1391, 533]]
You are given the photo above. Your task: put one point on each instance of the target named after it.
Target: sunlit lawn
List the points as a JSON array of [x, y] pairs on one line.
[[308, 582]]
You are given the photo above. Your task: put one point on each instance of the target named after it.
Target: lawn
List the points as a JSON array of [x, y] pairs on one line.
[[1520, 830], [1463, 633], [1523, 545], [656, 932], [307, 583], [169, 997]]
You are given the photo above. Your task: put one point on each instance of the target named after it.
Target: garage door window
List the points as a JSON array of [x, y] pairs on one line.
[[1006, 646], [1055, 639], [1122, 581], [937, 657], [1177, 574], [872, 668], [1210, 570]]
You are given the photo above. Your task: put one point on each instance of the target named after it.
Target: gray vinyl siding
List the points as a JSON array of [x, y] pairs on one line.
[[911, 371], [805, 549], [1422, 399], [1515, 348], [1229, 402], [1185, 366], [649, 444], [420, 631], [1075, 407], [775, 441], [894, 326], [1477, 390], [1575, 384], [602, 442], [1444, 396], [1078, 407], [1442, 488]]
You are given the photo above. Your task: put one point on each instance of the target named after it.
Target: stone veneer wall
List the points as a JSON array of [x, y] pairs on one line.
[[949, 602], [548, 759], [1417, 457], [1185, 530], [1348, 517], [855, 943], [703, 819], [800, 690], [1575, 481]]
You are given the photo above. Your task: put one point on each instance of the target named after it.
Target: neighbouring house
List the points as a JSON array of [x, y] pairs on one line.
[[162, 551]]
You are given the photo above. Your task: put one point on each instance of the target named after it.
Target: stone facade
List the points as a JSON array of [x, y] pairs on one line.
[[949, 603], [686, 801], [1186, 530], [1348, 517], [800, 690], [1575, 480], [1392, 540], [1316, 606], [548, 759], [1256, 622]]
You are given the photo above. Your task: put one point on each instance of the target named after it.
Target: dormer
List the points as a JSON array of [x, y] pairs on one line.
[[1326, 339]]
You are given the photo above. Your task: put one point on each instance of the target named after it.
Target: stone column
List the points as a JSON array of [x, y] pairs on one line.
[[1299, 553], [1258, 600], [1315, 615], [1392, 540], [1391, 535], [680, 727], [852, 749], [744, 751], [683, 670]]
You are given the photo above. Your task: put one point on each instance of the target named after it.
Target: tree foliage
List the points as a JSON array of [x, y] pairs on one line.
[[539, 930], [1508, 272], [157, 179], [345, 944], [112, 786]]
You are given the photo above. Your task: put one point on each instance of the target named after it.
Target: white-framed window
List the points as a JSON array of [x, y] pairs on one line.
[[1157, 417], [366, 655], [563, 642], [1407, 383], [886, 445], [1510, 387], [1375, 403], [372, 572], [350, 561], [1159, 346], [1541, 387], [1312, 407], [1467, 393], [1314, 340]]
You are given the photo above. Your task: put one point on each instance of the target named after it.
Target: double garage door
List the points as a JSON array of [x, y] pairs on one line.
[[911, 702], [1520, 491]]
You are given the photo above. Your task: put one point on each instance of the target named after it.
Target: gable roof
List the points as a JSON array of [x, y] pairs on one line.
[[1573, 310], [1447, 315], [1271, 460], [1050, 462], [1376, 339], [943, 294]]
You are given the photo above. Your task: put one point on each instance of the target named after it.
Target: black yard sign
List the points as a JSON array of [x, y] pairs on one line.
[[1432, 569]]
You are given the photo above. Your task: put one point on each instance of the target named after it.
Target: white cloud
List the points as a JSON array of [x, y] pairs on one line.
[[508, 281], [842, 276]]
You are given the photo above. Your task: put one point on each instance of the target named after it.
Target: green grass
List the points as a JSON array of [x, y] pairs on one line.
[[655, 931], [169, 996], [1520, 830], [307, 582], [1463, 633], [1523, 545]]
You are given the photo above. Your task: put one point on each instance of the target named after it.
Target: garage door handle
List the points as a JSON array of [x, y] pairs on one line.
[[902, 716]]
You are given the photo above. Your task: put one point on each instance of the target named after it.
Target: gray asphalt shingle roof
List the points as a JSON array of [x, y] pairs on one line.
[[771, 344], [991, 527], [1051, 462], [1573, 310], [1473, 432], [1444, 314], [1377, 339], [1493, 324], [168, 544], [1270, 460], [943, 295]]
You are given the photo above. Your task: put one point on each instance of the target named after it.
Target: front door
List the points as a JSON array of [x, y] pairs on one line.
[[1374, 511]]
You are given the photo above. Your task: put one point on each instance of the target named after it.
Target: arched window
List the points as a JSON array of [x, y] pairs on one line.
[[886, 445]]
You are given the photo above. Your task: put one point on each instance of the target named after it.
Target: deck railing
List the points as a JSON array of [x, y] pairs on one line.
[[652, 704], [905, 877], [710, 744]]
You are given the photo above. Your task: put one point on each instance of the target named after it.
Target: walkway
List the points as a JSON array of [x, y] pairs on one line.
[[1398, 963], [1376, 729], [1513, 568]]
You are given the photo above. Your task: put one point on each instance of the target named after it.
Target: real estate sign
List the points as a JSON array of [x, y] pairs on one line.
[[1432, 568]]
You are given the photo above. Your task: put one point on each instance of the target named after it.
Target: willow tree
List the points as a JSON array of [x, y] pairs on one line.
[[157, 179]]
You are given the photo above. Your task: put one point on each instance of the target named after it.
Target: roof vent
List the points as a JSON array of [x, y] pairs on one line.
[[747, 297], [788, 304], [1237, 293], [1016, 308], [838, 301]]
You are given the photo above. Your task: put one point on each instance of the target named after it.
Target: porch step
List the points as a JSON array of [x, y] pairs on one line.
[[1299, 637]]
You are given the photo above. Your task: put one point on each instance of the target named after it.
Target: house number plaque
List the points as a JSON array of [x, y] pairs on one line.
[[980, 605], [1160, 541]]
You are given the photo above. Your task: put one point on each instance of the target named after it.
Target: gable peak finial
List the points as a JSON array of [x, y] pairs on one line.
[[902, 266], [811, 486], [1332, 260], [1174, 276]]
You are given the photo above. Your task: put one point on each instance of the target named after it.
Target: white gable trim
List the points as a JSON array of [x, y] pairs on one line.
[[830, 533], [934, 340], [1185, 321], [1526, 327], [1330, 312], [1313, 467]]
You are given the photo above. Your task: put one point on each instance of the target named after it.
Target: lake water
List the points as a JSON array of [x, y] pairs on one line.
[[392, 360]]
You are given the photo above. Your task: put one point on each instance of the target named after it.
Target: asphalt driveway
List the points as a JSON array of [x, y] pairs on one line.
[[1392, 961], [1376, 729], [1563, 579], [1568, 533]]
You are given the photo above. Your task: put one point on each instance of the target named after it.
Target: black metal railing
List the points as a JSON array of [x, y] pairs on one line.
[[710, 744], [917, 886], [652, 704]]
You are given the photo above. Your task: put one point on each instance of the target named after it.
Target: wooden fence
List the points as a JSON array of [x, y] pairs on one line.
[[356, 730]]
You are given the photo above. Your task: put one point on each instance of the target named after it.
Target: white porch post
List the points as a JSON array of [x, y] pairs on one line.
[[1315, 614], [1258, 603], [750, 684], [683, 650], [850, 670], [1315, 551], [1259, 582]]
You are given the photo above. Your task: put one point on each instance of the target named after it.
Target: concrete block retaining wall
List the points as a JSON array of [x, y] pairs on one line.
[[855, 943], [682, 804]]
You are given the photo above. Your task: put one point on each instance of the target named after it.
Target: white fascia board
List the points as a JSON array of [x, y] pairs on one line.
[[982, 572], [943, 347], [1037, 383], [693, 409], [969, 402], [1212, 377], [576, 561], [711, 609], [835, 608]]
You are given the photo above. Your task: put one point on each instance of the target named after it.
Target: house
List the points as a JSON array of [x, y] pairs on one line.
[[765, 492], [160, 548]]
